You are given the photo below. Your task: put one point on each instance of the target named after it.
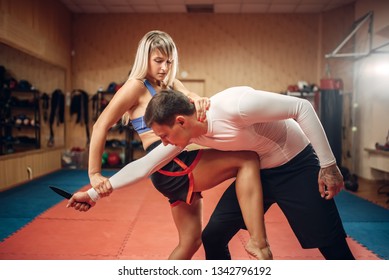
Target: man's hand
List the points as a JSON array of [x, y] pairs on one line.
[[330, 181], [202, 105], [81, 201]]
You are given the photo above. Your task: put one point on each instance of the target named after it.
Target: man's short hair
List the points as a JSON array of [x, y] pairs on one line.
[[166, 105]]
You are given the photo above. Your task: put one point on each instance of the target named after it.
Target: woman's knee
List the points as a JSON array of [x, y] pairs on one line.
[[248, 161], [191, 244]]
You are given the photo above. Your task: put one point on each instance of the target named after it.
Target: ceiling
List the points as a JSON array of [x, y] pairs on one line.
[[213, 6]]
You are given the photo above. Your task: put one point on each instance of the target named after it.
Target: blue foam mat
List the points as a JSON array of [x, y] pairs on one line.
[[355, 209], [21, 204], [365, 222]]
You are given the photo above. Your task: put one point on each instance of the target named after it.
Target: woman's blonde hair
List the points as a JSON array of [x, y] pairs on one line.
[[154, 40], [151, 41]]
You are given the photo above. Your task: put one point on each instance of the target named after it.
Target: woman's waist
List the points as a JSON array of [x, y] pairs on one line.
[[148, 138]]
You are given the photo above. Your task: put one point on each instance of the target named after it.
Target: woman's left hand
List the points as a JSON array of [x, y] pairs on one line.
[[202, 105]]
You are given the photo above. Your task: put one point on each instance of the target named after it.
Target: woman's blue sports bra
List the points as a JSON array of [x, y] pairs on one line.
[[139, 123]]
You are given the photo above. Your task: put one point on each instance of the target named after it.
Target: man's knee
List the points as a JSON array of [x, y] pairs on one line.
[[209, 233], [214, 235], [215, 244]]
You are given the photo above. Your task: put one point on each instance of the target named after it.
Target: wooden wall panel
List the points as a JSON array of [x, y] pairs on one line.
[[267, 51], [44, 76], [39, 37], [336, 25], [197, 86], [13, 168], [35, 44], [41, 28]]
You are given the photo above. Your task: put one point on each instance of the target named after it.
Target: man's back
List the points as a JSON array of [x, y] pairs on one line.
[[241, 118]]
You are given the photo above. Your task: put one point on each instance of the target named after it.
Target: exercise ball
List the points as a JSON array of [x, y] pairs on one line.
[[113, 159]]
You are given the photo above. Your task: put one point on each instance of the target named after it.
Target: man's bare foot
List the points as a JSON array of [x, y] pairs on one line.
[[260, 253]]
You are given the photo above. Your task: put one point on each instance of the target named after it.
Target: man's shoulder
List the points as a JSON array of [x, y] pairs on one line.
[[232, 92], [229, 97]]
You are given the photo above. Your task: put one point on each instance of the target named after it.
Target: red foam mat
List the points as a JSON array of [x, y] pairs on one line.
[[135, 223]]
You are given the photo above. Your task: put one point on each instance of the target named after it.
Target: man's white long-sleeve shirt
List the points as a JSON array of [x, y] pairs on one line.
[[276, 126]]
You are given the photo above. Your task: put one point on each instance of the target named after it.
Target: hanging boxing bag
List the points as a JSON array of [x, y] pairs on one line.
[[331, 108]]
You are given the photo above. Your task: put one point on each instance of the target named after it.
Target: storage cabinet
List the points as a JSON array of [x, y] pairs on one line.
[[20, 121], [119, 148]]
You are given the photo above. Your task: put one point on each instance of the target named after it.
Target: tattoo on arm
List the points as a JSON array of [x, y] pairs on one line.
[[331, 176]]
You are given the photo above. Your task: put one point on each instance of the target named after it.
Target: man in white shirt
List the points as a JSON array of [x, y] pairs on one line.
[[298, 169], [294, 156]]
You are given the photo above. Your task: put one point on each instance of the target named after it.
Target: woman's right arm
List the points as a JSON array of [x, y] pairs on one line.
[[123, 100]]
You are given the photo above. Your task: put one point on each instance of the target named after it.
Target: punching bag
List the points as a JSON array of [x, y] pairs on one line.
[[331, 109]]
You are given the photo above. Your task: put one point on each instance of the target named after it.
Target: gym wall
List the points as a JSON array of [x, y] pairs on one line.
[[267, 51], [264, 51], [35, 44]]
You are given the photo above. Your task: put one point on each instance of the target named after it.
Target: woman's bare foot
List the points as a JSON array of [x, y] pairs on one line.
[[258, 252]]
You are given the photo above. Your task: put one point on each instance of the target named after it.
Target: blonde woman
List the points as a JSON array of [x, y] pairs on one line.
[[181, 176]]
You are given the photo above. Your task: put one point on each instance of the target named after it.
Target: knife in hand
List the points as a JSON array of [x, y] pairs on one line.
[[64, 193]]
